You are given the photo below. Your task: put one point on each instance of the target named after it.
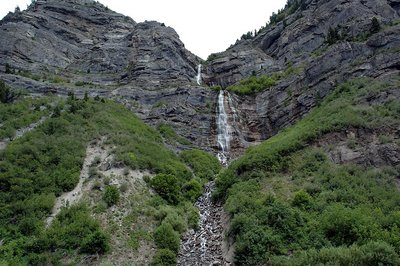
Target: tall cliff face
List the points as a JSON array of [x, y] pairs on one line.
[[61, 46], [84, 36], [310, 68]]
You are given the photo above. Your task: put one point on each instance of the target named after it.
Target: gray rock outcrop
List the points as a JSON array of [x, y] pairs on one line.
[[84, 40]]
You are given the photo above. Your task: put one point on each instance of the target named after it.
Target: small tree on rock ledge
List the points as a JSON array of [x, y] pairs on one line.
[[375, 25]]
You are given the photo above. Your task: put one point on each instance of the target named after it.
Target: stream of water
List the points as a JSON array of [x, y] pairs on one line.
[[204, 246]]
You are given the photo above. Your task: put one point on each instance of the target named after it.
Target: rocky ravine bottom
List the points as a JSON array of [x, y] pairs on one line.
[[205, 245]]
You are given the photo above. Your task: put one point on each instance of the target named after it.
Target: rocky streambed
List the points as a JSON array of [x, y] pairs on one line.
[[205, 245]]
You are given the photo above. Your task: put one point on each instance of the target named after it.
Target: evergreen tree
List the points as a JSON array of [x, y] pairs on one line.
[[5, 94], [8, 69], [375, 25], [86, 96], [333, 36]]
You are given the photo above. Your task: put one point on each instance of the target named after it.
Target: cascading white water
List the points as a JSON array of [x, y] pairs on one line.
[[198, 77], [204, 245], [223, 129]]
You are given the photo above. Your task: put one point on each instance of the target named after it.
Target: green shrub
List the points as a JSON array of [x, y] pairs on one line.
[[164, 257], [379, 253], [373, 253], [92, 171], [111, 195], [344, 226], [192, 190], [254, 246], [302, 200], [74, 228], [6, 95], [254, 84], [95, 243], [166, 238], [107, 180], [167, 186], [58, 79], [177, 222], [193, 216]]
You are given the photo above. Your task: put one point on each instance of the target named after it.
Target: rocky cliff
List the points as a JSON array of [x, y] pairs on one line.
[[297, 48], [63, 46], [70, 38]]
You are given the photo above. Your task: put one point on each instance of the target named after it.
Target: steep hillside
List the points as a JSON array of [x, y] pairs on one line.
[[319, 83], [93, 156], [325, 190]]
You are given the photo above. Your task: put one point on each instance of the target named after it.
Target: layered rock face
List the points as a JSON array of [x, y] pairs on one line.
[[311, 68], [61, 46], [72, 37]]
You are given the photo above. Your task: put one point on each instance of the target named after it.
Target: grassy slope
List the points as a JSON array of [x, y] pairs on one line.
[[20, 114], [47, 161], [286, 197]]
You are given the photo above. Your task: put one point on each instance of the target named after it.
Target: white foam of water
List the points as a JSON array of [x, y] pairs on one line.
[[223, 129], [198, 77]]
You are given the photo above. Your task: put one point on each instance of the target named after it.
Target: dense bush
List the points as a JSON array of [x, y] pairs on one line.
[[192, 190], [21, 113], [166, 237], [372, 253], [164, 257], [302, 200], [254, 84], [72, 229], [95, 243], [5, 93], [167, 186]]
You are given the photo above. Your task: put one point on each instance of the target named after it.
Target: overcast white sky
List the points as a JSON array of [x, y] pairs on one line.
[[204, 26]]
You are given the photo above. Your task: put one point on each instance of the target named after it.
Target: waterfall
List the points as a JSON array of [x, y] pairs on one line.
[[204, 246], [198, 77], [223, 130]]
